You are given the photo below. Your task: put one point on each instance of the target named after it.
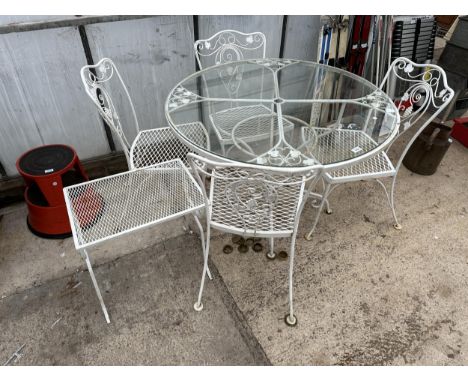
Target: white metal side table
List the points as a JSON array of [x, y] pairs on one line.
[[106, 208]]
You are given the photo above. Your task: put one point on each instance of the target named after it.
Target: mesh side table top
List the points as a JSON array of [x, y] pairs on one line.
[[115, 205]]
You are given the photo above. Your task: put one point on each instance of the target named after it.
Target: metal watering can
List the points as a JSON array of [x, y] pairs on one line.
[[427, 151]]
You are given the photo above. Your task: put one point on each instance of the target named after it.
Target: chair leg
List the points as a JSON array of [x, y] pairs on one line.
[[271, 253], [391, 201], [290, 318], [328, 210], [198, 306], [84, 255], [223, 148], [326, 192], [202, 238], [397, 225]]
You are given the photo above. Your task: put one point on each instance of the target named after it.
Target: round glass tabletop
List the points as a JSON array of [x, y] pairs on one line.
[[281, 113]]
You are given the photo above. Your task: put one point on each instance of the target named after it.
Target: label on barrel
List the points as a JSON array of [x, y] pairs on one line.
[[49, 170]]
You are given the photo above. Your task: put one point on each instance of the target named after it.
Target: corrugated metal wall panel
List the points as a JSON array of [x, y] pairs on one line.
[[301, 39], [42, 97], [152, 55]]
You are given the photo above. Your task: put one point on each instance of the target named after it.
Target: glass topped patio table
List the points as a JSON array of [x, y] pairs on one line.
[[282, 114]]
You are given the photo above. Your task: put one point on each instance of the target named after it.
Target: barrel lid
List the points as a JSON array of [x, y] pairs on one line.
[[46, 160]]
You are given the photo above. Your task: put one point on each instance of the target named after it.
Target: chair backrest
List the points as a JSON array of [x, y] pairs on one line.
[[420, 93], [230, 46], [97, 82], [246, 199]]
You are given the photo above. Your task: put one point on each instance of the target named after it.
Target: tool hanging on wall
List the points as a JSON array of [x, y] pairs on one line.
[[369, 49], [323, 55], [333, 40], [359, 44], [336, 36], [332, 50], [366, 46], [340, 30], [380, 49], [325, 42], [339, 44]]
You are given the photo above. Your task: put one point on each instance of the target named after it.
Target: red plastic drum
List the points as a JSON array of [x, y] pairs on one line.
[[46, 170]]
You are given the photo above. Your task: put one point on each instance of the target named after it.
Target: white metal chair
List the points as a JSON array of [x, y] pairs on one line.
[[150, 146], [144, 195], [425, 89], [229, 46], [246, 200]]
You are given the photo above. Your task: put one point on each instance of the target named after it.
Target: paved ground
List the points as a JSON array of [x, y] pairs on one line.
[[149, 295], [365, 293]]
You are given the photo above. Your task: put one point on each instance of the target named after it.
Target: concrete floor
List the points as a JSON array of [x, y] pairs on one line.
[[149, 295], [365, 294]]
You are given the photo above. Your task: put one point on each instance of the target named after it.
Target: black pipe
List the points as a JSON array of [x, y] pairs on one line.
[[283, 35]]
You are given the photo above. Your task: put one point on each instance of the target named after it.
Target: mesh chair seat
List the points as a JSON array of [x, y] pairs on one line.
[[112, 206], [376, 166], [162, 144], [253, 129], [335, 145]]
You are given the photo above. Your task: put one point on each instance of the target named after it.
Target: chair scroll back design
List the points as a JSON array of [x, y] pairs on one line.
[[96, 80], [246, 200], [426, 90], [252, 199], [230, 46]]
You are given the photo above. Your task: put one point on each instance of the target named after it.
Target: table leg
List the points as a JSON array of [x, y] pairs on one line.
[[324, 201], [84, 255]]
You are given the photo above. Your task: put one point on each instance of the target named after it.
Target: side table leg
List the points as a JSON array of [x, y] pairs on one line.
[[84, 255]]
